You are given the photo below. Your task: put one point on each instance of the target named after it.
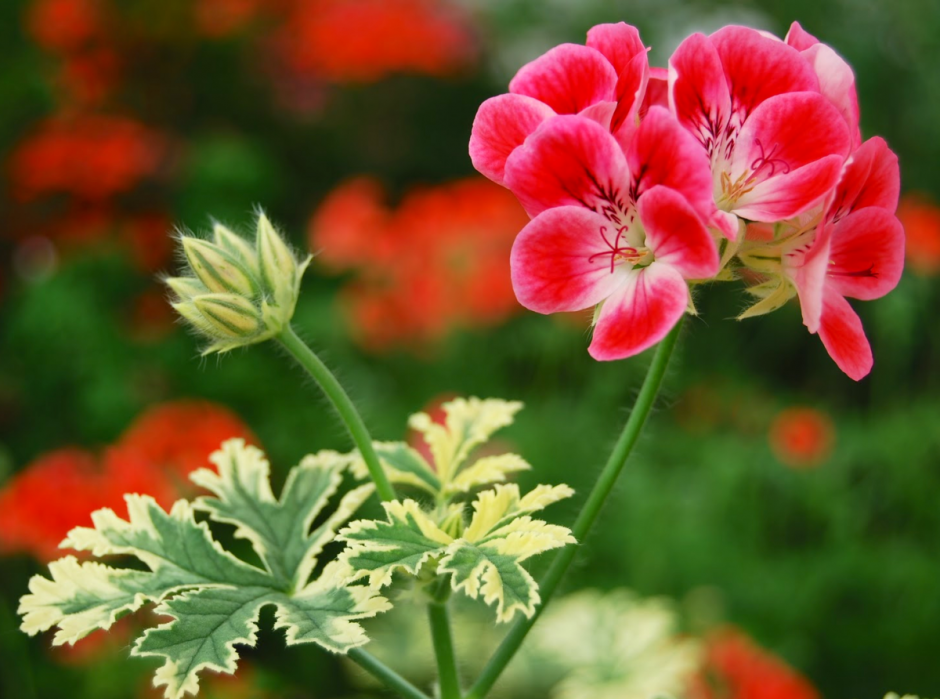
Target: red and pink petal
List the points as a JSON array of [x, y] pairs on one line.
[[568, 78], [663, 153], [837, 84], [759, 67], [806, 265], [698, 90], [559, 261], [501, 125], [787, 132], [867, 255], [871, 178], [786, 196], [844, 338], [568, 161], [676, 234], [799, 38], [619, 43], [640, 312]]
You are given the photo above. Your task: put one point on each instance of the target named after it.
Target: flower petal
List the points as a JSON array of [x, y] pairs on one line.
[[788, 195], [698, 90], [787, 132], [657, 90], [837, 83], [568, 161], [871, 178], [799, 38], [568, 78], [630, 90], [758, 67], [867, 255], [501, 125], [663, 153], [619, 43], [558, 261], [806, 264], [844, 338], [639, 313], [676, 234]]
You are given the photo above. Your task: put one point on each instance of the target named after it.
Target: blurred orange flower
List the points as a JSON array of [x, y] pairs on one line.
[[802, 437], [220, 18], [93, 157], [438, 261], [921, 221], [737, 668], [365, 40], [60, 489]]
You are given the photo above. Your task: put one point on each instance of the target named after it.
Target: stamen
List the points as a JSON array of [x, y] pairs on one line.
[[768, 160], [616, 251]]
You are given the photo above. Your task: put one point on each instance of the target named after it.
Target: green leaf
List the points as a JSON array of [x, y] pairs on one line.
[[468, 423], [212, 597], [501, 535], [485, 561], [405, 541]]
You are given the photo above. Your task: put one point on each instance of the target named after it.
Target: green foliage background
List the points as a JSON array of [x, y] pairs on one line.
[[836, 569]]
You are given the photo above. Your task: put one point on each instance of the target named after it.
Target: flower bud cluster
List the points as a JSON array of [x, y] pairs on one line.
[[236, 293]]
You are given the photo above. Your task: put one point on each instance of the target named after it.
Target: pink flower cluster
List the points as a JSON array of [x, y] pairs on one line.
[[742, 159]]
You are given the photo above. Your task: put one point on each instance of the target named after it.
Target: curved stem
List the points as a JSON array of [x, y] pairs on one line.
[[444, 650], [344, 406], [388, 677], [605, 483]]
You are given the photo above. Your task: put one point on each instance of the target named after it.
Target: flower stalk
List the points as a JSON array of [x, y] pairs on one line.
[[334, 391], [385, 674], [588, 515]]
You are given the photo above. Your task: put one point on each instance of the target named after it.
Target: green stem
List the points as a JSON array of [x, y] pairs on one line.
[[388, 677], [344, 406], [605, 483], [444, 650]]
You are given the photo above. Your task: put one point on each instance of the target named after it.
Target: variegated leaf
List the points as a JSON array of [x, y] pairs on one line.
[[213, 597], [486, 470], [468, 423], [407, 539], [403, 465]]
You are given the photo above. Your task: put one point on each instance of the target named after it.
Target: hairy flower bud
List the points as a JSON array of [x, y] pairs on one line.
[[239, 291], [217, 269]]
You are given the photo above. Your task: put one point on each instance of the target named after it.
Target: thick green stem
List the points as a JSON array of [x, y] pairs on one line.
[[444, 650], [344, 406], [605, 483], [386, 675]]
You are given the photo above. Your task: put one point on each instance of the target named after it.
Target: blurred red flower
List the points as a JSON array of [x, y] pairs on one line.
[[921, 220], [93, 157], [440, 260], [737, 668], [60, 489], [365, 40], [802, 437], [178, 437], [62, 26], [89, 77]]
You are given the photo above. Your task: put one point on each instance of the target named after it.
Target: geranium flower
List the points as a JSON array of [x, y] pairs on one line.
[[604, 80], [775, 142], [856, 251], [622, 227], [802, 437]]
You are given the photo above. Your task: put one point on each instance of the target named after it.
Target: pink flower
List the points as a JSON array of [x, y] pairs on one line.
[[604, 80], [856, 251], [776, 142], [618, 225]]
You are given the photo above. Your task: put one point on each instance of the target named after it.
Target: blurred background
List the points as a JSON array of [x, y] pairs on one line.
[[788, 514]]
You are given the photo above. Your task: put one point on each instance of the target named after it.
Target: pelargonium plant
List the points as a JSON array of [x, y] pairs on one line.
[[740, 160]]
